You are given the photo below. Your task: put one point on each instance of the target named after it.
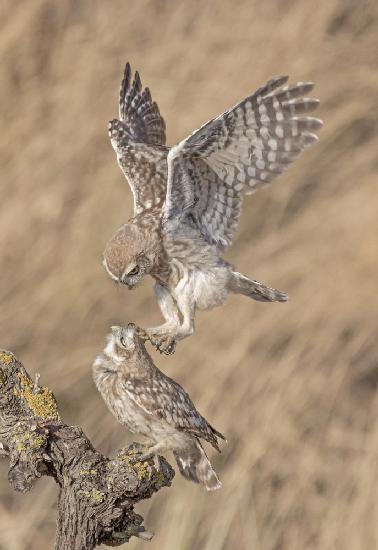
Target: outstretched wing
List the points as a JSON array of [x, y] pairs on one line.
[[138, 138], [167, 400], [141, 115], [243, 149]]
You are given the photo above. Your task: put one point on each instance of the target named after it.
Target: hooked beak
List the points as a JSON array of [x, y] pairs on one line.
[[125, 283], [120, 281]]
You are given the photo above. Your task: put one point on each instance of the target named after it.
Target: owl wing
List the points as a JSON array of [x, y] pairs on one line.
[[245, 148], [168, 401], [138, 138]]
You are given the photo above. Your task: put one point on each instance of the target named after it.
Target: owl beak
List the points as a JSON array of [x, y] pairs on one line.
[[129, 287], [122, 281]]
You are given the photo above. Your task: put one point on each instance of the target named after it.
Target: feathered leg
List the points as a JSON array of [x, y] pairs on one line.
[[160, 336], [239, 284], [168, 308], [164, 337]]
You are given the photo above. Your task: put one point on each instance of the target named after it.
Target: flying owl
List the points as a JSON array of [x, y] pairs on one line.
[[153, 405], [188, 198]]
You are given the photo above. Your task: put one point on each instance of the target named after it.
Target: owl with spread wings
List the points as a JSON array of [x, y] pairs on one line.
[[188, 198]]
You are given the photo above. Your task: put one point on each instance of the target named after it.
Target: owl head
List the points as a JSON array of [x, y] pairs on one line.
[[125, 345], [130, 255]]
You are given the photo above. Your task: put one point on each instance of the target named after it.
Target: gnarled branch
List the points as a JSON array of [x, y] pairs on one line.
[[97, 493]]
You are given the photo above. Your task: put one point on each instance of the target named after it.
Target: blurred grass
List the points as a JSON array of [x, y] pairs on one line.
[[293, 386]]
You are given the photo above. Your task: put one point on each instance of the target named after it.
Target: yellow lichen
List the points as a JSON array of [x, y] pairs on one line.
[[42, 402], [142, 469], [6, 358], [20, 447], [95, 495], [27, 439], [38, 441], [88, 472]]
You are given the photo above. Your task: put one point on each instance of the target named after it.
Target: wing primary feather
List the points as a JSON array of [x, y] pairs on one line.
[[243, 149], [124, 87]]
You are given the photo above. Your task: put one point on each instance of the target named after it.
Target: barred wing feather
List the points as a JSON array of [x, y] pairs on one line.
[[138, 138], [243, 149]]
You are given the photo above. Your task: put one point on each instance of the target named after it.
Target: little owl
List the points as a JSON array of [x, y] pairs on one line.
[[188, 198], [153, 405]]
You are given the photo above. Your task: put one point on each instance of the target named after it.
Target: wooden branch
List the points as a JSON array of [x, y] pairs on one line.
[[97, 493]]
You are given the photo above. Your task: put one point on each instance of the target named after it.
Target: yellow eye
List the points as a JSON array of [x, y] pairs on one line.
[[134, 271]]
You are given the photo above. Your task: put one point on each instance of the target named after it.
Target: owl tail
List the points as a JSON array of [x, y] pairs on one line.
[[195, 466], [239, 284]]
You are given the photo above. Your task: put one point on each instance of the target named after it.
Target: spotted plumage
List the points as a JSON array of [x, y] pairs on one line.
[[153, 405], [188, 198]]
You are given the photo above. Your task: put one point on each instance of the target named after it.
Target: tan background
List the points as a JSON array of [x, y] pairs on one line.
[[293, 386]]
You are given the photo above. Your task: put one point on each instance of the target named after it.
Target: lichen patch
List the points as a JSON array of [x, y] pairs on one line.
[[42, 402], [6, 358], [95, 496]]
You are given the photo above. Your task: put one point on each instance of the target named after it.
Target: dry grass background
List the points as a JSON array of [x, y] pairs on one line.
[[293, 386]]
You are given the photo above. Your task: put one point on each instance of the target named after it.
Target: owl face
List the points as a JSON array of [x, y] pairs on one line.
[[122, 339], [125, 258], [123, 346], [129, 272]]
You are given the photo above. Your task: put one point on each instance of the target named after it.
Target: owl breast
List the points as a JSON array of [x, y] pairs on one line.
[[207, 288], [131, 415], [148, 425]]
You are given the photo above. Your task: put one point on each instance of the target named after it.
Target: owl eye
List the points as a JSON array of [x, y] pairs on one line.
[[123, 342], [134, 271]]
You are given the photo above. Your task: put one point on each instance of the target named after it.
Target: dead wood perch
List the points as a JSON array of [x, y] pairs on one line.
[[97, 494]]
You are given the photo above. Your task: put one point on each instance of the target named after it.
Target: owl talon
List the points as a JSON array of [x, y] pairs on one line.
[[140, 332], [165, 345]]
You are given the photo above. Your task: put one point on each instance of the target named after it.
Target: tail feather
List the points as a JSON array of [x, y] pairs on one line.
[[195, 466], [239, 284]]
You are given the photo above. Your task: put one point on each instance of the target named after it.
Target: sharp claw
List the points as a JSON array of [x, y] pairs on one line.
[[157, 463], [170, 349], [140, 332], [166, 346]]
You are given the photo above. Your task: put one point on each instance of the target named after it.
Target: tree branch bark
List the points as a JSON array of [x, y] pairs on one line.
[[97, 494]]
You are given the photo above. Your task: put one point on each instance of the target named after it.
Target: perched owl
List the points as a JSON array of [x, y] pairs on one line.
[[153, 405], [188, 198]]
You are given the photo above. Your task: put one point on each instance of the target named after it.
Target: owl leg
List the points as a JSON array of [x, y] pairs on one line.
[[168, 308], [164, 337], [187, 309], [160, 336]]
